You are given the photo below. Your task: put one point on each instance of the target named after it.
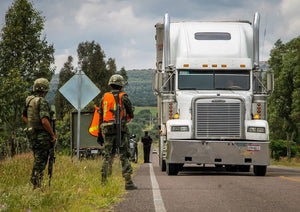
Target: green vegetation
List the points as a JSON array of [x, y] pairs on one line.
[[279, 149], [77, 186], [153, 110], [139, 87], [25, 55], [73, 187], [284, 103], [92, 61], [284, 162], [144, 120]]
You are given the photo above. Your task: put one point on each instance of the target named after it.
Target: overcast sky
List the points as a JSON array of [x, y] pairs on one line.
[[125, 28]]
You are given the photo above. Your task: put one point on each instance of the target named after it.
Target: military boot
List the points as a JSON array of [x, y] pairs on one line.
[[103, 180], [129, 185]]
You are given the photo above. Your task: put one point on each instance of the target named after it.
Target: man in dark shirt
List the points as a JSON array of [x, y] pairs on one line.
[[147, 141]]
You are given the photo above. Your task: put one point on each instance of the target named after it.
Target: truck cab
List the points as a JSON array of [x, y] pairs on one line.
[[212, 95]]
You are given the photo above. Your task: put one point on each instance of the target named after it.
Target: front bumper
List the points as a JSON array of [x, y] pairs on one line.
[[218, 152]]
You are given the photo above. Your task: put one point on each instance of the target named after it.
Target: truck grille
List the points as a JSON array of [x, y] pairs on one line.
[[218, 119]]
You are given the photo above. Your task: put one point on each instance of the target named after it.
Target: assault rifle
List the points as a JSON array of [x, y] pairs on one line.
[[51, 160], [117, 114]]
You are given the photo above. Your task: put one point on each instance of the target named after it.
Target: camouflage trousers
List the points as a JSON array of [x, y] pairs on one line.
[[40, 147], [111, 147]]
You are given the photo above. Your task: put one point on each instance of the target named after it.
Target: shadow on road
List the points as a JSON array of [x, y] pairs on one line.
[[200, 170]]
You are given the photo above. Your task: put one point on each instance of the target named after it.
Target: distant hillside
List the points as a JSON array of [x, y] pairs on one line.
[[139, 88]]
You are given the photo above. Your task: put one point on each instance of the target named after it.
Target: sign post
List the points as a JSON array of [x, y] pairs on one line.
[[86, 91], [79, 110]]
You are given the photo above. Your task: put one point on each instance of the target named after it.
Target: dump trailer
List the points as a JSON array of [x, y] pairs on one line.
[[211, 95], [88, 148]]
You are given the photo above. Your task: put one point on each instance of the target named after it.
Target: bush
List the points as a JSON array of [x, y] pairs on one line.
[[279, 149], [63, 134]]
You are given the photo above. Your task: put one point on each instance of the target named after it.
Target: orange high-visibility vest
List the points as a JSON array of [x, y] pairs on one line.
[[110, 103], [94, 127]]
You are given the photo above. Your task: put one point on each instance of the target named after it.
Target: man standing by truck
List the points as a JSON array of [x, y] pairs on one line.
[[42, 138], [147, 141], [116, 134]]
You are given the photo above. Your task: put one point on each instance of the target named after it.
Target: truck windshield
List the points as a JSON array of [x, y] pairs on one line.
[[213, 80]]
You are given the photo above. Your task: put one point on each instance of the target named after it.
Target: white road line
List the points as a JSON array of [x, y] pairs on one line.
[[158, 201]]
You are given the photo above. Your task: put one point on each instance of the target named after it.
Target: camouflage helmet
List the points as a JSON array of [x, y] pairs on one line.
[[116, 79], [41, 84]]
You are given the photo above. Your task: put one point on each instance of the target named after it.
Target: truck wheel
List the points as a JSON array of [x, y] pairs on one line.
[[260, 170], [172, 169]]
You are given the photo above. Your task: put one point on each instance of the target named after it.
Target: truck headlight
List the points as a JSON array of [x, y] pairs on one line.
[[180, 128], [256, 129], [261, 129]]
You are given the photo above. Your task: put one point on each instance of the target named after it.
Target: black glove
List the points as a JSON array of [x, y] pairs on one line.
[[100, 139]]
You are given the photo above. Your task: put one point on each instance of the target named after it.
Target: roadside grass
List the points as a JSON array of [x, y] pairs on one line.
[[293, 163], [74, 186]]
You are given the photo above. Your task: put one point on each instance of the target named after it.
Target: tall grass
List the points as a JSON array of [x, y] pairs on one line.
[[74, 186], [283, 161]]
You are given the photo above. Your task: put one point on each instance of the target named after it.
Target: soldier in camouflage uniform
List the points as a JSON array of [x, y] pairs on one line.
[[109, 130], [41, 135]]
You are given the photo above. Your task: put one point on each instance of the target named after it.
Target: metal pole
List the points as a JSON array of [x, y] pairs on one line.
[[78, 116]]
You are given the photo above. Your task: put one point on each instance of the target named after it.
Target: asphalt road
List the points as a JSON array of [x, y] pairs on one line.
[[199, 189]]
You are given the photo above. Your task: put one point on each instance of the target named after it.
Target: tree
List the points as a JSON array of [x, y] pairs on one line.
[[24, 56], [111, 66], [284, 102], [123, 73], [12, 103], [275, 120], [139, 87], [91, 60], [295, 113], [23, 46], [62, 106]]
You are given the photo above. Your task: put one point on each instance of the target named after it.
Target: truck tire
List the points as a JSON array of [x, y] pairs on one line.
[[172, 168], [259, 170]]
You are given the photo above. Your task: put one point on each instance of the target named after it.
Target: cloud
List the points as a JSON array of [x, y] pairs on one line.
[[127, 53], [291, 17], [121, 33], [125, 28], [110, 17]]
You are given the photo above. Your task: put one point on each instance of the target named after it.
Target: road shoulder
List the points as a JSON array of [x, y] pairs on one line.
[[142, 198]]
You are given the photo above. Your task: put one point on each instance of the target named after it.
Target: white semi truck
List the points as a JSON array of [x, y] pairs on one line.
[[211, 95]]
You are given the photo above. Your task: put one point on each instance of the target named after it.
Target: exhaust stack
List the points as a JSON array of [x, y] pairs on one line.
[[256, 22], [166, 41]]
